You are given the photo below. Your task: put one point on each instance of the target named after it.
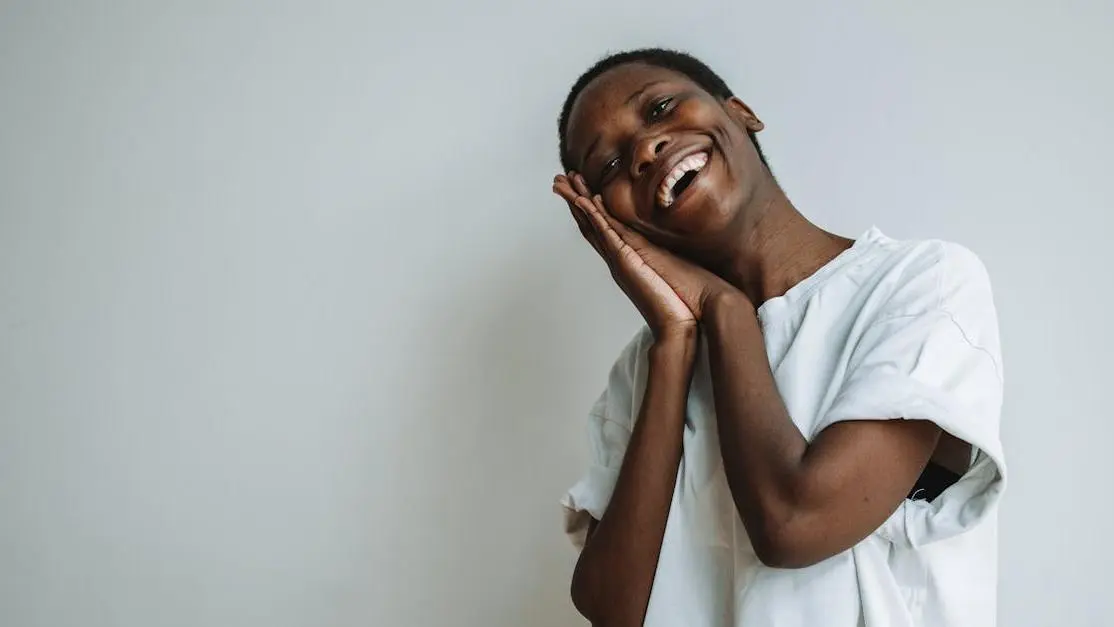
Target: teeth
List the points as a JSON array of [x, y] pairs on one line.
[[692, 163]]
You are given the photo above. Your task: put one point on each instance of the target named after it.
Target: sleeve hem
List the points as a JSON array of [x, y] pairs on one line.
[[587, 499]]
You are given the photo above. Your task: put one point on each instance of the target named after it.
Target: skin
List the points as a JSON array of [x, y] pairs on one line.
[[732, 241]]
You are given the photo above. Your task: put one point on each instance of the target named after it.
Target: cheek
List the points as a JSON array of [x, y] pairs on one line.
[[619, 200], [697, 113], [710, 118]]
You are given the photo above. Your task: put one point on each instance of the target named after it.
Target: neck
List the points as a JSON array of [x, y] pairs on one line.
[[779, 248]]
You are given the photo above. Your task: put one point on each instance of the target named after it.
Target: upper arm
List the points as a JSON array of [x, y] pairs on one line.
[[853, 476]]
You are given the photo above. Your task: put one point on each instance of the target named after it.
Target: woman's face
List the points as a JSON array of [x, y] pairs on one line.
[[670, 160]]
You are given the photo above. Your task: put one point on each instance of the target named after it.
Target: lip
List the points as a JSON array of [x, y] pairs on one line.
[[666, 165]]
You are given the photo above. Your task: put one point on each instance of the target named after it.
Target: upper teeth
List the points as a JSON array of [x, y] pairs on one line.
[[691, 163]]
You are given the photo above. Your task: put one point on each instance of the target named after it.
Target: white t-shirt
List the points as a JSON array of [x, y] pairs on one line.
[[887, 330]]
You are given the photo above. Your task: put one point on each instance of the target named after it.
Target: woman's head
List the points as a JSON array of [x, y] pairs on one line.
[[665, 142]]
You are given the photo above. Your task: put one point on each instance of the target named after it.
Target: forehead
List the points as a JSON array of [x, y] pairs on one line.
[[607, 93]]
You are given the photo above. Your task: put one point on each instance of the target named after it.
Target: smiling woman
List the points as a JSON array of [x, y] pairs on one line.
[[705, 121], [806, 432]]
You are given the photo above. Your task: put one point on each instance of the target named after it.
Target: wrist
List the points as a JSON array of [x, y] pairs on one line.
[[728, 300], [677, 342], [677, 334]]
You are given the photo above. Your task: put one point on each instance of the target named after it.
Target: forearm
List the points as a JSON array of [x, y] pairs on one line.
[[613, 577], [763, 452]]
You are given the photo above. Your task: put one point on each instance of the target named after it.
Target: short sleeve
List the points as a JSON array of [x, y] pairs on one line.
[[589, 497], [609, 428], [935, 356]]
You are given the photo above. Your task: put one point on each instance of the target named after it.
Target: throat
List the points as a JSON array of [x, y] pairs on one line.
[[781, 250]]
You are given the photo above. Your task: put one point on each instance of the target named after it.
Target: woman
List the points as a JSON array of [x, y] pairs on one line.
[[806, 431]]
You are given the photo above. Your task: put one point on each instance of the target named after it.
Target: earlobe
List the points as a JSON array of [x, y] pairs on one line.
[[741, 113]]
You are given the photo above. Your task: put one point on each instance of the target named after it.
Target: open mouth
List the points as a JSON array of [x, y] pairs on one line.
[[680, 178]]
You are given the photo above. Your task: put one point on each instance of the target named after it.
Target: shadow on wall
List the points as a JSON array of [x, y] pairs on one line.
[[496, 426]]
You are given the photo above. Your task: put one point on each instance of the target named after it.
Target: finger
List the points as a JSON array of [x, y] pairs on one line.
[[563, 179], [628, 235], [608, 236], [587, 230], [580, 185], [562, 188], [609, 232]]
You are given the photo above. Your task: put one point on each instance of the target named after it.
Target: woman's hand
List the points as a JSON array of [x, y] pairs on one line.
[[670, 292]]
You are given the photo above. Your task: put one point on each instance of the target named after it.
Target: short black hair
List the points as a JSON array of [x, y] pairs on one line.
[[695, 69]]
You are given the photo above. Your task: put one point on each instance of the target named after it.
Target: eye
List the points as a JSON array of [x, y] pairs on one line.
[[659, 108], [609, 167]]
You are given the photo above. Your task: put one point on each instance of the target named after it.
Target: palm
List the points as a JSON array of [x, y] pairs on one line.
[[635, 275], [667, 290]]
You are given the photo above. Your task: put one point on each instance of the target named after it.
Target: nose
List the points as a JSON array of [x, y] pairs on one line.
[[646, 151]]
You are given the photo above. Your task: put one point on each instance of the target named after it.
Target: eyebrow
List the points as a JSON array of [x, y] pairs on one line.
[[631, 98]]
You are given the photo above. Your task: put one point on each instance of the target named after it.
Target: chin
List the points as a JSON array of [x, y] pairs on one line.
[[693, 234], [708, 218]]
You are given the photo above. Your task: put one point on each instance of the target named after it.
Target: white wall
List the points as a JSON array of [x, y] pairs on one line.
[[293, 333]]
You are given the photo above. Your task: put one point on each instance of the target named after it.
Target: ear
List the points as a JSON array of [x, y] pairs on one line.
[[742, 114]]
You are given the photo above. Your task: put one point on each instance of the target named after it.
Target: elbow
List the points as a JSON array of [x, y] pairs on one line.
[[596, 615], [786, 528], [582, 602], [787, 545], [579, 592], [594, 606], [585, 597], [776, 555]]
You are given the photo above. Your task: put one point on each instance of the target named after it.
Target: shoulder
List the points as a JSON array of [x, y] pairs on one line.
[[922, 276], [935, 289]]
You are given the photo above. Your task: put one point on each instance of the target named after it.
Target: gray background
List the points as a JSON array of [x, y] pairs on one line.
[[293, 333]]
